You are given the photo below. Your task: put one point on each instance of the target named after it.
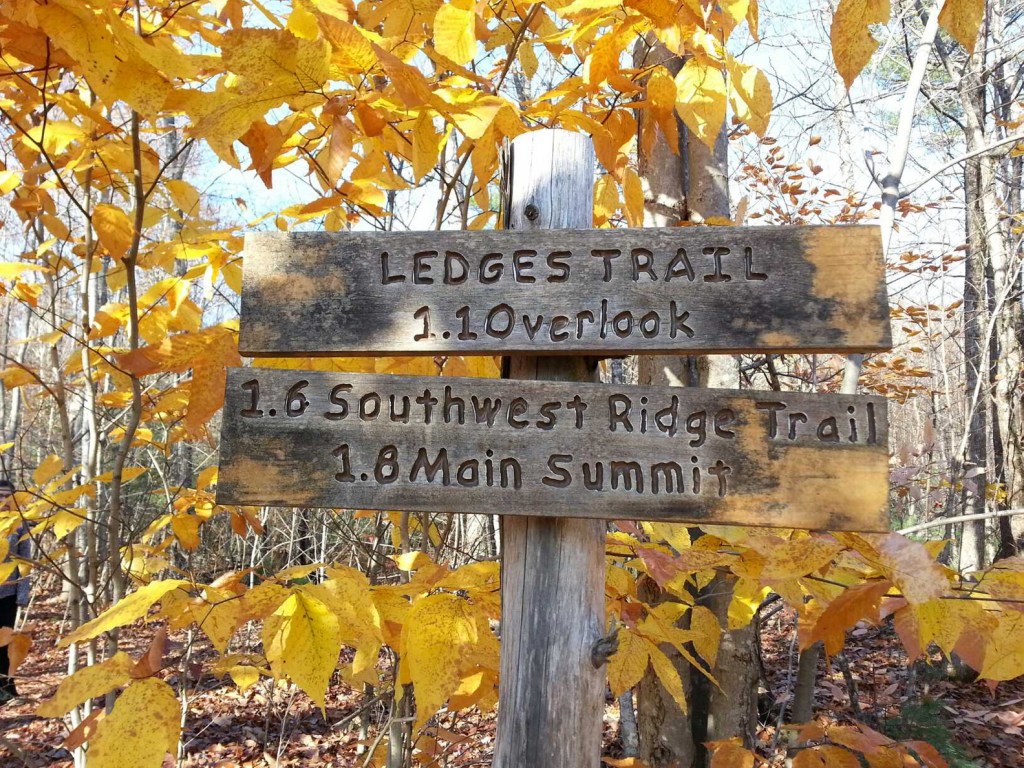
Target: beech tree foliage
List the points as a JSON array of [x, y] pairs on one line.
[[132, 270]]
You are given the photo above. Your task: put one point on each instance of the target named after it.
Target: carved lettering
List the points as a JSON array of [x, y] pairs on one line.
[[392, 442]]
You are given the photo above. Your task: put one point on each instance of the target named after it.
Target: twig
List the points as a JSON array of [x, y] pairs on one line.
[[944, 521], [963, 158], [851, 684]]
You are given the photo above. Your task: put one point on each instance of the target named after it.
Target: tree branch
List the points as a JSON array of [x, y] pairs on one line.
[[963, 158], [944, 521]]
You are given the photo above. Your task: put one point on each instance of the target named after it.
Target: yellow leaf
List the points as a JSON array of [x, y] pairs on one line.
[[661, 91], [628, 664], [752, 20], [1004, 651], [852, 42], [206, 390], [701, 99], [185, 196], [128, 609], [47, 469], [8, 181], [412, 561], [302, 642], [18, 376], [750, 94], [127, 475], [733, 12], [263, 599], [707, 633], [218, 615], [335, 8], [269, 67], [426, 145], [105, 322], [455, 31], [675, 535], [334, 157], [9, 270], [244, 676], [606, 199], [772, 559], [667, 674], [27, 292], [56, 135], [64, 521], [352, 50], [393, 607], [88, 683], [302, 23], [411, 85], [142, 728], [633, 191], [943, 621], [582, 6], [114, 229], [346, 592], [856, 603], [603, 61], [528, 60], [474, 577], [56, 226], [186, 530], [962, 19], [747, 595], [618, 583], [440, 637]]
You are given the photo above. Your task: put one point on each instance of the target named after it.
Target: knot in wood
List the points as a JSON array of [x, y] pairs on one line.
[[531, 212], [604, 648]]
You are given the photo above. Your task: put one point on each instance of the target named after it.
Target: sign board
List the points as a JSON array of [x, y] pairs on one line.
[[638, 291], [566, 449]]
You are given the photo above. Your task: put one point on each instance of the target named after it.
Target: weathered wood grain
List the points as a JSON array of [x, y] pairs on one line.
[[554, 449], [672, 290], [551, 698]]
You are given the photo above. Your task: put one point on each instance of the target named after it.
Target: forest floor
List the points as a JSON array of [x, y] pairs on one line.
[[973, 725]]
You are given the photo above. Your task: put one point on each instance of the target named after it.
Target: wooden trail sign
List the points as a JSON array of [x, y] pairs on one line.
[[674, 290], [562, 449], [550, 454]]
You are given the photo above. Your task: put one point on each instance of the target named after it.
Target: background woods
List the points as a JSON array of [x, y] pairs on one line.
[[142, 140]]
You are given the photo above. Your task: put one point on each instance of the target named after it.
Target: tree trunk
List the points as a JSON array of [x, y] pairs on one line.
[[972, 541], [691, 184], [1004, 297]]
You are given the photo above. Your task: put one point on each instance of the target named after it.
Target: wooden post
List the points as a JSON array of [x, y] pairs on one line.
[[551, 698]]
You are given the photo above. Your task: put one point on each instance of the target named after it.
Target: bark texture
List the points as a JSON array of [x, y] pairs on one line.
[[689, 182]]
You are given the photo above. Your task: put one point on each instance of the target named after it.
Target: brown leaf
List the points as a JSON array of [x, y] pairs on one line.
[[84, 731], [18, 649], [152, 662]]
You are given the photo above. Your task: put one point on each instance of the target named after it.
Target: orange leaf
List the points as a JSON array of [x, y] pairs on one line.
[[114, 229], [17, 644], [962, 19], [85, 730], [729, 754], [856, 603], [852, 42]]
